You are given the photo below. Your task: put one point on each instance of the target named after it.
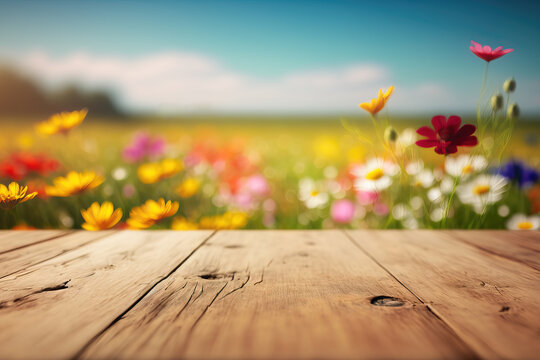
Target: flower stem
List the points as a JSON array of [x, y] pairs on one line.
[[447, 209], [482, 91]]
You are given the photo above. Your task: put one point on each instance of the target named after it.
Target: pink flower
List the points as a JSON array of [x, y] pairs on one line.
[[144, 146], [447, 135], [257, 185], [486, 53], [342, 211], [367, 197], [380, 209]]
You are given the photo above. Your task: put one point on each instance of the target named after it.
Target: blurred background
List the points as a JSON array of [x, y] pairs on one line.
[[170, 58], [249, 99]]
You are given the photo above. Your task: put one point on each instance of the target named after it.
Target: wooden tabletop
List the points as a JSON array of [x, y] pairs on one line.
[[269, 294]]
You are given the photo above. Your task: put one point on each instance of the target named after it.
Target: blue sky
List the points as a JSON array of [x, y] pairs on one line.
[[415, 44]]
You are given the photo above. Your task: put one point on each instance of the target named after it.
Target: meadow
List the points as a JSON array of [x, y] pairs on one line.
[[256, 173], [370, 170]]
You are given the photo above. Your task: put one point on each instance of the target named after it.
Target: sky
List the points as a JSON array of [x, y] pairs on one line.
[[276, 56]]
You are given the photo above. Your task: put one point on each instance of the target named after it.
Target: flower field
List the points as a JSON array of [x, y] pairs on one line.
[[370, 170]]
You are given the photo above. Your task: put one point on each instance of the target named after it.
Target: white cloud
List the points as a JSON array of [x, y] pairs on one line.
[[183, 82]]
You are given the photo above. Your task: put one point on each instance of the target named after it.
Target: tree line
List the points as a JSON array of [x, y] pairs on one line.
[[23, 96]]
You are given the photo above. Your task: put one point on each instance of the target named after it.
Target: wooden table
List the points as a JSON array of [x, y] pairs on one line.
[[269, 294]]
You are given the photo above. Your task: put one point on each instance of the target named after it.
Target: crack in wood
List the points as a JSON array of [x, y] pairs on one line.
[[196, 322], [162, 303], [188, 302], [262, 273], [24, 299], [238, 288]]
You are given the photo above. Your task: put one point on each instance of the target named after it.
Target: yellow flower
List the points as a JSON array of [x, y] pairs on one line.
[[151, 173], [181, 223], [170, 167], [101, 217], [229, 221], [188, 187], [14, 194], [146, 215], [378, 103], [61, 122], [74, 183]]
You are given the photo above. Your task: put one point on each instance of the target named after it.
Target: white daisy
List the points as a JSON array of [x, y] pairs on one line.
[[482, 191], [414, 167], [435, 195], [310, 194], [407, 138], [523, 222], [401, 211], [375, 175], [424, 179], [447, 185], [464, 165]]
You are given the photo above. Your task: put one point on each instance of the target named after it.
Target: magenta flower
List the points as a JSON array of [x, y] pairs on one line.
[[486, 53], [342, 211], [144, 146], [447, 135]]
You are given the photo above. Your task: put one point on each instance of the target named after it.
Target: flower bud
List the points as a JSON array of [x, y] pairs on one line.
[[390, 135], [497, 102], [513, 111], [509, 85]]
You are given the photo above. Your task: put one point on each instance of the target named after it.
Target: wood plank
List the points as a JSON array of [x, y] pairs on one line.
[[11, 240], [278, 294], [490, 301], [54, 308], [22, 258], [520, 246]]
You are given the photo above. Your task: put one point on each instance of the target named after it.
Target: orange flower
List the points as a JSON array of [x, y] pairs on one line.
[[101, 217], [148, 214], [378, 103], [14, 194], [74, 183], [151, 173], [61, 122]]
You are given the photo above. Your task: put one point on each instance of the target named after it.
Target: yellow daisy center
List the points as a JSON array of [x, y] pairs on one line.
[[314, 193], [375, 174], [467, 169], [480, 189], [525, 225]]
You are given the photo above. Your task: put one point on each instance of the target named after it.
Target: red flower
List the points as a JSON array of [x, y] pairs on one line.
[[20, 165], [486, 53], [447, 135]]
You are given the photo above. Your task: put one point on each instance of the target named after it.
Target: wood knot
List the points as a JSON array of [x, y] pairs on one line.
[[386, 301], [217, 276]]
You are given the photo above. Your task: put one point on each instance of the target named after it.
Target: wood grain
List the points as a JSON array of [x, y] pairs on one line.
[[11, 240], [22, 258], [52, 309], [490, 301], [520, 246], [278, 294]]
